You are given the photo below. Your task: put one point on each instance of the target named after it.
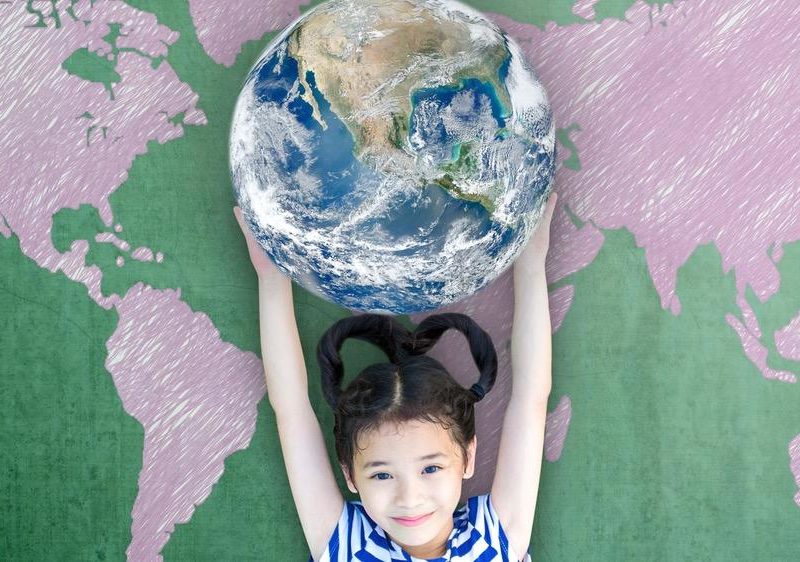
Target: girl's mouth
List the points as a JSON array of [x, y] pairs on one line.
[[412, 521]]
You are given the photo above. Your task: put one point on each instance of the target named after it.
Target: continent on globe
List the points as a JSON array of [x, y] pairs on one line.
[[392, 155]]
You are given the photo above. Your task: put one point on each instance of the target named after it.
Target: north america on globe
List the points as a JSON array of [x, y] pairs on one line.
[[392, 156]]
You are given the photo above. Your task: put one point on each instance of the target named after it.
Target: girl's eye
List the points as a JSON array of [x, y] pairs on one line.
[[385, 475]]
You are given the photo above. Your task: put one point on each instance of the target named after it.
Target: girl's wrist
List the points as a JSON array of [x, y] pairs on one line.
[[273, 282], [530, 269]]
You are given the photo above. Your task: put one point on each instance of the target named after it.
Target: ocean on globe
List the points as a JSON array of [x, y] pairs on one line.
[[392, 156]]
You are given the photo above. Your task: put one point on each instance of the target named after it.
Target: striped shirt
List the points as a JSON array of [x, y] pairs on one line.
[[476, 536]]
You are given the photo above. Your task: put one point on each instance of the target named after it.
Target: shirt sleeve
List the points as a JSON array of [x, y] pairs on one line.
[[347, 537], [487, 523]]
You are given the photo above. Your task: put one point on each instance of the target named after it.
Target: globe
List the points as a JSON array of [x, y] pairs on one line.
[[392, 156]]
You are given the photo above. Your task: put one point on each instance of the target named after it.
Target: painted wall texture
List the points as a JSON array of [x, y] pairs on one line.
[[134, 424]]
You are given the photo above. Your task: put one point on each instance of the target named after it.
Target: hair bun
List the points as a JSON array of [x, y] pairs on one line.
[[381, 330], [478, 391], [480, 343]]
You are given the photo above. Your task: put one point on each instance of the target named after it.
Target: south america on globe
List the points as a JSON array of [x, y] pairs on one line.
[[392, 156]]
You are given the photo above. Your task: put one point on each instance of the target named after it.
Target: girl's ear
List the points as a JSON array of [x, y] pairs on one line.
[[469, 470], [350, 485]]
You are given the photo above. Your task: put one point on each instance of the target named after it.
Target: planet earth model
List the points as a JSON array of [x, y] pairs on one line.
[[392, 156]]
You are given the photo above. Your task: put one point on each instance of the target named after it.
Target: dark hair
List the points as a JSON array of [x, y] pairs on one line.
[[412, 386]]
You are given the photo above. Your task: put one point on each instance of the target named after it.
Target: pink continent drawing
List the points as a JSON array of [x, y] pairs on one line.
[[86, 140], [676, 162], [189, 390], [222, 27]]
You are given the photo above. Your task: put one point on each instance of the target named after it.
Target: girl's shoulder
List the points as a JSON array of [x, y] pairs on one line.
[[477, 534]]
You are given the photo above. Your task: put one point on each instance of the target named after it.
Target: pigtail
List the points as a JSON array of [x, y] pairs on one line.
[[480, 344], [379, 329]]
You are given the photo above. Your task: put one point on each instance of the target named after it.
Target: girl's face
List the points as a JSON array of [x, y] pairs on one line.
[[409, 477]]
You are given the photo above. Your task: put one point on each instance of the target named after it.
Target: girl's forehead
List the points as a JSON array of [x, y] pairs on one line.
[[406, 439], [410, 427]]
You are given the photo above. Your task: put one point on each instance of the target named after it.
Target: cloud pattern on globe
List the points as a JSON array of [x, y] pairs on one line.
[[392, 156]]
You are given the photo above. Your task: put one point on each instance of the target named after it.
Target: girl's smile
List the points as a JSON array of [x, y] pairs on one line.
[[412, 521]]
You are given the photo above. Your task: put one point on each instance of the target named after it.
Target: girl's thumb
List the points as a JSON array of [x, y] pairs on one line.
[[237, 212]]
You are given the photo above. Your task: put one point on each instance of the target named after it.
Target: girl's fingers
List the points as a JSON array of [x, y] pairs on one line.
[[261, 263], [548, 212], [238, 214], [252, 245], [551, 204], [245, 229]]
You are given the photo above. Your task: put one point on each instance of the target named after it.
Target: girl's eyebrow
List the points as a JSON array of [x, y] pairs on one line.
[[384, 463]]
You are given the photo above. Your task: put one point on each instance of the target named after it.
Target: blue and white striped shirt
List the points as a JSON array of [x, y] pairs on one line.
[[477, 536]]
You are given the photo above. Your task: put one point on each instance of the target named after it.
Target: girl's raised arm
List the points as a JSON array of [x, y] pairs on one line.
[[519, 461], [316, 494]]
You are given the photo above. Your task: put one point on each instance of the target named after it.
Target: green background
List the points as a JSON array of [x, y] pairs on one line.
[[676, 450]]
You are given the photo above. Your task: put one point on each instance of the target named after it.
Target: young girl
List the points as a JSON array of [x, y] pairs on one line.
[[405, 430]]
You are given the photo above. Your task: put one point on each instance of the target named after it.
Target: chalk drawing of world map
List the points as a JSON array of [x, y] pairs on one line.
[[722, 138]]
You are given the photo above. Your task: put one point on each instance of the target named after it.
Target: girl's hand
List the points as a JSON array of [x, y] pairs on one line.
[[532, 258], [264, 267]]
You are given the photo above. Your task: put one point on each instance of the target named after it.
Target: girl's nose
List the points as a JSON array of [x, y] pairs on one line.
[[408, 493]]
